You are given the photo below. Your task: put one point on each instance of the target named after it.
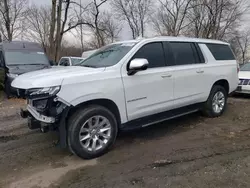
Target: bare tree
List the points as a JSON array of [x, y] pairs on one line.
[[170, 18], [12, 13], [243, 43], [38, 20], [98, 24], [135, 13], [95, 16], [215, 18], [110, 26]]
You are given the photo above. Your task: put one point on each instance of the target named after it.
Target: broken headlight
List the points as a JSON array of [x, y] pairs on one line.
[[43, 92]]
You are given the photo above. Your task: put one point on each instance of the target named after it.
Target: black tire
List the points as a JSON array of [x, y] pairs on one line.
[[208, 106], [75, 123]]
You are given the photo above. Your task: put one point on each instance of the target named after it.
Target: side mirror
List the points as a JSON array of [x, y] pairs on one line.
[[137, 65]]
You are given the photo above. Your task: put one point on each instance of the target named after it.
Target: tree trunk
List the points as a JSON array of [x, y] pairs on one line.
[[7, 20], [52, 30], [58, 30]]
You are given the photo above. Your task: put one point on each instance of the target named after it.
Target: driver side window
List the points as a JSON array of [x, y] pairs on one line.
[[154, 53]]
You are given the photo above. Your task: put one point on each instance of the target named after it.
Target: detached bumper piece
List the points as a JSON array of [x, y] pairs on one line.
[[32, 122]]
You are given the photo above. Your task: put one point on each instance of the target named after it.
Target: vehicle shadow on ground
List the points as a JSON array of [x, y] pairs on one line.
[[241, 96]]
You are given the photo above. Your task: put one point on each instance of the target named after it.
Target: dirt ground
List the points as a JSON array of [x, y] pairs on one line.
[[191, 151]]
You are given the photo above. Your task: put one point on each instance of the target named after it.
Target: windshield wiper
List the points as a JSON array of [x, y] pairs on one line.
[[26, 64], [90, 66]]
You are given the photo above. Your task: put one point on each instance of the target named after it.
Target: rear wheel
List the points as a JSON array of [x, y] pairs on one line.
[[216, 103], [91, 132]]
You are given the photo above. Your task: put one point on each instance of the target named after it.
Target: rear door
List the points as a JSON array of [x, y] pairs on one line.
[[2, 70], [188, 73]]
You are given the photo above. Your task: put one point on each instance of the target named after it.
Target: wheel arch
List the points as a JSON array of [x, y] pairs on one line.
[[224, 83], [107, 103]]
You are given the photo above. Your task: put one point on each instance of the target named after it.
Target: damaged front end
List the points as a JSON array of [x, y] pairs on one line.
[[45, 111]]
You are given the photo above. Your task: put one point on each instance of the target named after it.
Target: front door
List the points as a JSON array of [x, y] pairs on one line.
[[151, 91]]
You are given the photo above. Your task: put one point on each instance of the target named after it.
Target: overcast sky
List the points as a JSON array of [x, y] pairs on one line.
[[125, 33]]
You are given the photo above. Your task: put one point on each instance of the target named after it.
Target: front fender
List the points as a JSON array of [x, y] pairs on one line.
[[88, 97]]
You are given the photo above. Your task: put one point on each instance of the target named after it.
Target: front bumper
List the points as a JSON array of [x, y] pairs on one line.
[[40, 117], [49, 114]]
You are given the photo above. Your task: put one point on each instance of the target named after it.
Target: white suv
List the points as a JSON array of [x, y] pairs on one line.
[[128, 85]]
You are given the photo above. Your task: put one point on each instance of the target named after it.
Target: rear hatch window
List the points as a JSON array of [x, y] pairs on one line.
[[221, 51]]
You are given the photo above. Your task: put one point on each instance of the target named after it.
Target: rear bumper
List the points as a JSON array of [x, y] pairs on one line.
[[244, 89]]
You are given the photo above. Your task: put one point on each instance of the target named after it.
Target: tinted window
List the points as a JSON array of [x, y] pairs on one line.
[[198, 51], [221, 51], [184, 53], [153, 52], [25, 58]]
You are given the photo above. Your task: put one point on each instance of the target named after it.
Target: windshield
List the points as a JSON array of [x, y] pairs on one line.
[[76, 61], [26, 58], [108, 55], [245, 67]]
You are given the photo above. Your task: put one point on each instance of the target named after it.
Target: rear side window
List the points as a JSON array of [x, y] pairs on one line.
[[221, 51], [184, 53], [154, 53]]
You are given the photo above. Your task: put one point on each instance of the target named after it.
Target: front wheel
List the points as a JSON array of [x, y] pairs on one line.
[[216, 103], [91, 131]]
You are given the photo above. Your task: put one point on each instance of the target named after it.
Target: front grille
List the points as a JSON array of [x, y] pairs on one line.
[[244, 82]]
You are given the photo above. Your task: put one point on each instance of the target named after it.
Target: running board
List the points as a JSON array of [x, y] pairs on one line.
[[160, 117], [173, 117]]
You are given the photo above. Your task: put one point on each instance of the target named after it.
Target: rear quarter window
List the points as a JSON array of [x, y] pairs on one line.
[[221, 51]]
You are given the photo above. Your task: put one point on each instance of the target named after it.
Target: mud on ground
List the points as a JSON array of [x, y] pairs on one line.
[[191, 151]]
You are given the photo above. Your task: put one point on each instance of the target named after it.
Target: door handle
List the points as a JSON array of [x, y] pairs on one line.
[[166, 75], [200, 71]]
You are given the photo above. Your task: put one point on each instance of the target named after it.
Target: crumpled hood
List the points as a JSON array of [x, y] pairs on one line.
[[51, 77], [244, 74]]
